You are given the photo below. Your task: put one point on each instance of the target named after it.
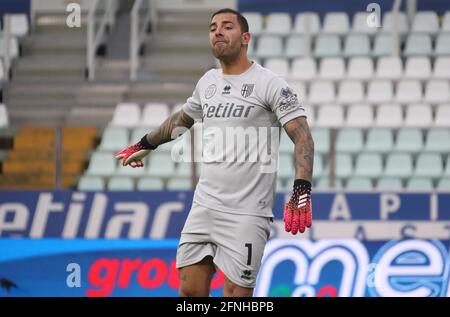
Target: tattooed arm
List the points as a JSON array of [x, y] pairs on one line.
[[172, 127], [175, 125], [298, 131]]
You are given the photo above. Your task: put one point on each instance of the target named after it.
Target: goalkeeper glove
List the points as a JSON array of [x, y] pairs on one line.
[[297, 212], [134, 154]]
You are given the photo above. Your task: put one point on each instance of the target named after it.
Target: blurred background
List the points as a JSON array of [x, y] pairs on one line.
[[81, 80]]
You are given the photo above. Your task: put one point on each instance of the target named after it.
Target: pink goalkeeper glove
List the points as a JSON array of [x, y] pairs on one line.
[[297, 212], [134, 154]]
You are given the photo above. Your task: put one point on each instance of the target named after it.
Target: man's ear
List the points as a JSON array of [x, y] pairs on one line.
[[246, 38]]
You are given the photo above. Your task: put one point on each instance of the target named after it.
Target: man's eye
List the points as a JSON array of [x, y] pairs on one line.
[[212, 30]]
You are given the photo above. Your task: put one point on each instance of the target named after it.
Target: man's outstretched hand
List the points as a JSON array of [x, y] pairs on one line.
[[134, 154], [297, 211]]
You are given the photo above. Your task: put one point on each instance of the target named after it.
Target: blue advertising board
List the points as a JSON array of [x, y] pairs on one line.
[[290, 268]]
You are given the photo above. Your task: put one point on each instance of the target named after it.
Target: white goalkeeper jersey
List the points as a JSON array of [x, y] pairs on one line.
[[242, 116]]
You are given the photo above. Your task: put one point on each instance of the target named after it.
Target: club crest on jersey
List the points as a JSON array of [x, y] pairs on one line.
[[210, 91], [247, 90]]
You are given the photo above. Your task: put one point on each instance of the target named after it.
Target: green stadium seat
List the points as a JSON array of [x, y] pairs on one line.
[[437, 140], [179, 184], [349, 140], [102, 164], [359, 183], [91, 183], [409, 140], [398, 165], [150, 183], [114, 139], [429, 165], [368, 165], [379, 140], [419, 184], [121, 184], [389, 184], [161, 164]]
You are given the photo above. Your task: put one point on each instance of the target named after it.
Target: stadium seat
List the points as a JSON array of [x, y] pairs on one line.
[[149, 183], [442, 117], [154, 114], [379, 91], [161, 165], [2, 71], [438, 140], [425, 22], [126, 115], [4, 118], [349, 140], [446, 22], [389, 116], [307, 22], [419, 184], [279, 66], [350, 91], [389, 68], [336, 23], [418, 68], [443, 184], [255, 22], [409, 140], [447, 166], [383, 45], [360, 116], [437, 91], [327, 45], [138, 133], [13, 47], [179, 184], [304, 69], [330, 115], [441, 68], [114, 139], [344, 165], [442, 47], [295, 46], [359, 183], [428, 165], [91, 183], [102, 164], [389, 184], [19, 24], [379, 140], [332, 68], [368, 165], [418, 45], [360, 25], [183, 169], [398, 165], [418, 115], [299, 89], [321, 92], [278, 24], [269, 46], [388, 22], [120, 184], [408, 91], [321, 137], [357, 45], [360, 68], [318, 170], [323, 183]]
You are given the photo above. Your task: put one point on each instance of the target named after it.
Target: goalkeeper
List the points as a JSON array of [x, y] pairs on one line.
[[229, 221]]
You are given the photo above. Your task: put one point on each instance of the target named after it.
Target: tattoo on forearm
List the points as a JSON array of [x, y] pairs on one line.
[[299, 133], [183, 277], [164, 133]]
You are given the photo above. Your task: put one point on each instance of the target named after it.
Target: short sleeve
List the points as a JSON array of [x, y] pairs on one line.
[[193, 105], [283, 101]]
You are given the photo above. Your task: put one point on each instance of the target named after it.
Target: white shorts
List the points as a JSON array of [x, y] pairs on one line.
[[235, 242]]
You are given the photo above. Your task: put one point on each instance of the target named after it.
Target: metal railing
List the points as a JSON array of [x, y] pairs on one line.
[[139, 29], [96, 29]]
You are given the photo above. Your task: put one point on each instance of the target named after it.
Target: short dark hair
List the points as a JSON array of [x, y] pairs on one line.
[[241, 19]]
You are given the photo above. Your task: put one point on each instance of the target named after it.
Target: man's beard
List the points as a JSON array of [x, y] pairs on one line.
[[223, 56]]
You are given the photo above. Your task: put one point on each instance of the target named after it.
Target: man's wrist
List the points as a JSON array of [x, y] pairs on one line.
[[146, 145], [302, 183]]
